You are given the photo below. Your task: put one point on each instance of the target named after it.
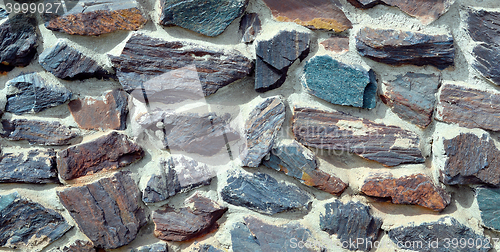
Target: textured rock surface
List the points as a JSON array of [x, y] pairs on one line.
[[488, 202], [109, 112], [107, 210], [262, 193], [250, 27], [18, 41], [412, 96], [315, 14], [336, 44], [396, 47], [388, 145], [34, 166], [96, 17], [3, 13], [25, 224], [242, 239], [261, 129], [417, 189], [339, 83], [349, 222], [79, 246], [108, 152], [38, 132], [207, 248], [299, 162], [156, 247]]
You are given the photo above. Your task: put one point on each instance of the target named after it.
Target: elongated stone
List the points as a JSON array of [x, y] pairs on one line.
[[397, 47], [264, 194], [336, 44], [107, 210], [412, 96], [96, 17], [38, 132], [27, 225], [339, 83], [261, 129], [488, 202], [108, 152], [156, 247], [350, 222], [18, 41], [34, 166], [249, 27], [388, 145], [415, 189]]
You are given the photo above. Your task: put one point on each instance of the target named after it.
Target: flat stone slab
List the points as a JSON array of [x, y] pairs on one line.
[[417, 189], [38, 132], [18, 42], [109, 152], [264, 194], [27, 225], [397, 47], [412, 96], [36, 166], [336, 44], [339, 83], [350, 222], [107, 211], [250, 27], [96, 17], [337, 131], [488, 202]]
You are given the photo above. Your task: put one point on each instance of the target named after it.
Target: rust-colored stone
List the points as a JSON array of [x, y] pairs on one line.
[[336, 44]]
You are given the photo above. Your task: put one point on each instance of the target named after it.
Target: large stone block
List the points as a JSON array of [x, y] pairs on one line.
[[18, 41]]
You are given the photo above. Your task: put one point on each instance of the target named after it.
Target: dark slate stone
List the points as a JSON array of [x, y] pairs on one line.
[[242, 240], [18, 41], [156, 247], [34, 166], [30, 93], [38, 132], [27, 225], [349, 222], [276, 55], [3, 13], [264, 194], [339, 83], [396, 47], [249, 27], [443, 231], [488, 200]]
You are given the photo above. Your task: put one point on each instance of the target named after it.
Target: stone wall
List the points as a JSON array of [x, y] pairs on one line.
[[250, 125]]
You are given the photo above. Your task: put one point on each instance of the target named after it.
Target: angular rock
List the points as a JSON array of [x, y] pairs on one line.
[[25, 224], [161, 186], [417, 189], [107, 210], [96, 17], [261, 129], [440, 231], [110, 112], [156, 247], [30, 93], [339, 83], [38, 132], [388, 145], [488, 202], [397, 47], [264, 194], [301, 163], [469, 108], [105, 153], [18, 41], [189, 222], [350, 222], [67, 62], [242, 239], [34, 166], [314, 14], [336, 44], [145, 58], [216, 16], [3, 13], [79, 246], [412, 96], [249, 27]]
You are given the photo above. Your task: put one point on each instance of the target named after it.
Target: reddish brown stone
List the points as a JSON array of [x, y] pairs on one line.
[[336, 44], [108, 152], [416, 189]]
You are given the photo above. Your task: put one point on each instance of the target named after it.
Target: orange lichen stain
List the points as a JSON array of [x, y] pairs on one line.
[[318, 23], [308, 180]]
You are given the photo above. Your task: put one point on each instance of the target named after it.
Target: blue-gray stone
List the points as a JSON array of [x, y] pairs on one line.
[[3, 13], [250, 27], [18, 41], [157, 247], [488, 200], [339, 83], [34, 166], [243, 240], [163, 185], [208, 248]]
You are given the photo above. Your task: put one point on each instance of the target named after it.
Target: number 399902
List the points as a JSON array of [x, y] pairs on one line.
[[32, 7]]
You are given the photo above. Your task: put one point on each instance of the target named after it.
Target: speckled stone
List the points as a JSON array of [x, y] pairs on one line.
[[488, 200]]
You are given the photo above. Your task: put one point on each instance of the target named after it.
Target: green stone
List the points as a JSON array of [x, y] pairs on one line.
[[488, 200]]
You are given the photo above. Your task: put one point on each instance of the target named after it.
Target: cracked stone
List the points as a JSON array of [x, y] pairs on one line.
[[36, 166], [38, 132]]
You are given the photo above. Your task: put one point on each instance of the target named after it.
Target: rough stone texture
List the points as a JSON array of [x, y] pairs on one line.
[[488, 202], [30, 93], [25, 224], [396, 47], [276, 55], [79, 246], [18, 41], [351, 221], [108, 152], [189, 222], [242, 239], [443, 231], [339, 83], [110, 112], [67, 62], [388, 145], [37, 132], [417, 189], [34, 166], [299, 162], [336, 44], [250, 27], [216, 16], [3, 13], [107, 210], [156, 247], [207, 248], [261, 129], [96, 17], [469, 108], [314, 14], [264, 194], [412, 96]]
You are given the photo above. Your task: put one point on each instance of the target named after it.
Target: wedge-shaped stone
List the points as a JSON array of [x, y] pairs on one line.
[[34, 166], [18, 41], [488, 202], [38, 132], [250, 27], [388, 145]]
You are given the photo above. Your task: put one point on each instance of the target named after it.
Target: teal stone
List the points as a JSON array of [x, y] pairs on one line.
[[6, 200], [488, 200], [339, 83]]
